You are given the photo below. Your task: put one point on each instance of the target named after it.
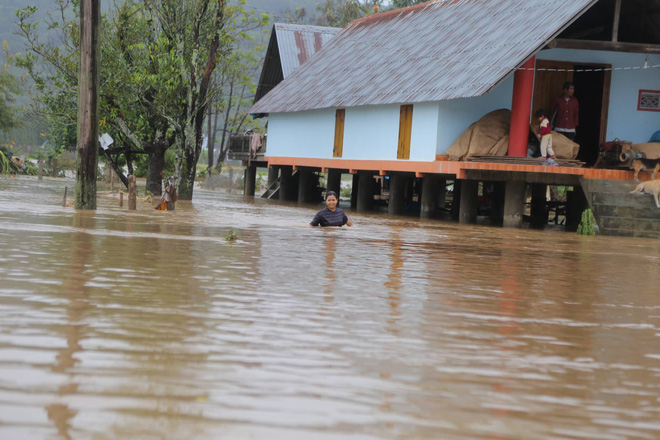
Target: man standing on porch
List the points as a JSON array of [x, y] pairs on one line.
[[565, 112]]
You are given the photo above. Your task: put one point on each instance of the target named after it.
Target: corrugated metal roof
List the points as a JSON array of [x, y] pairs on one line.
[[435, 51], [297, 43], [290, 46]]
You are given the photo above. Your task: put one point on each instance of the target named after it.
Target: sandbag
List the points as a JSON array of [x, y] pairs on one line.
[[489, 136]]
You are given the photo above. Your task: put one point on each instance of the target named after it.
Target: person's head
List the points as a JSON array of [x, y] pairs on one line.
[[540, 114], [331, 200], [569, 89]]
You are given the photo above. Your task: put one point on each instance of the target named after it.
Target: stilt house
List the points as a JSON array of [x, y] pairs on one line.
[[391, 92]]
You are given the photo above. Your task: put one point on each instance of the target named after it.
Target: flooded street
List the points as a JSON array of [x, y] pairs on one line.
[[149, 325]]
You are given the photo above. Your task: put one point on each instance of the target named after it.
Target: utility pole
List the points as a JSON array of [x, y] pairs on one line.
[[88, 104]]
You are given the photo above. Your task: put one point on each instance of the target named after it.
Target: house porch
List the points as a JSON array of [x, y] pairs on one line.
[[512, 186]]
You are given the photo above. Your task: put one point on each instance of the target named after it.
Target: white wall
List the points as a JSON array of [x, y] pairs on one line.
[[301, 134], [424, 137], [624, 120], [370, 133]]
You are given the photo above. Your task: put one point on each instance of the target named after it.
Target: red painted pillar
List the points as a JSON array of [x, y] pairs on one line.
[[523, 88]]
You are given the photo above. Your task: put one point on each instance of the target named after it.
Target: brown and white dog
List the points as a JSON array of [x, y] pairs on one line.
[[649, 187], [638, 161], [650, 165]]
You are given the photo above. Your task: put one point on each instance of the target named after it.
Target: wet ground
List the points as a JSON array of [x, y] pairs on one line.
[[149, 325]]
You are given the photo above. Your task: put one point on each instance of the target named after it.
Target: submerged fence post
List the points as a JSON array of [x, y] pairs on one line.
[[121, 199], [132, 193], [64, 199]]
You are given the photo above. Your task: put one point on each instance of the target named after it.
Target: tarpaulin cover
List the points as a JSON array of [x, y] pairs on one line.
[[489, 136], [650, 149]]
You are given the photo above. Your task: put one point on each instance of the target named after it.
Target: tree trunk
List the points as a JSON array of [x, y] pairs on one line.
[[88, 104], [155, 165], [210, 145], [188, 167]]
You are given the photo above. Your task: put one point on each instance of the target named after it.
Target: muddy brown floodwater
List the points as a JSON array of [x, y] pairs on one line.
[[149, 325]]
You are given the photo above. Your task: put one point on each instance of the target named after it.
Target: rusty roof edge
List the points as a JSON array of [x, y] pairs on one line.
[[387, 14], [306, 28], [541, 46]]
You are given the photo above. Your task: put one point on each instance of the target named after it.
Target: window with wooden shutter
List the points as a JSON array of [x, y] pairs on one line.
[[339, 132], [405, 130]]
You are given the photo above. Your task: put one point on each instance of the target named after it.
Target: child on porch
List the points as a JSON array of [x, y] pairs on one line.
[[545, 135]]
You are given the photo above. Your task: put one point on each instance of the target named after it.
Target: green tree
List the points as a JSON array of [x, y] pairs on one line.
[[130, 89], [9, 87], [201, 33], [53, 71], [335, 13], [159, 57], [231, 99]]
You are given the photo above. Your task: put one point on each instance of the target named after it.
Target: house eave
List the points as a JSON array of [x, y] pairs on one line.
[[610, 46]]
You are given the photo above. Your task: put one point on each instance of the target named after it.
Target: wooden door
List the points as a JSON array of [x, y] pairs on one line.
[[549, 83], [405, 132], [340, 116]]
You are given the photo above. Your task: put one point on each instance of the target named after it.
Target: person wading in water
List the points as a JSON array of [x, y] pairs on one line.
[[331, 215]]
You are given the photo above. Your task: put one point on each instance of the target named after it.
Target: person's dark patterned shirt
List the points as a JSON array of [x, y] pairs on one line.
[[325, 217]]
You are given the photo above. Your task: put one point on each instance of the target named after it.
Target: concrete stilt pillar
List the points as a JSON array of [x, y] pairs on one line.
[[576, 203], [306, 184], [365, 197], [442, 193], [250, 178], [539, 213], [469, 201], [287, 184], [456, 200], [429, 203], [514, 203], [334, 181], [354, 190], [398, 186], [273, 174], [497, 205]]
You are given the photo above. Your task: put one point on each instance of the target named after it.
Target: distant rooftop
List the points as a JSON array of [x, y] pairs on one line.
[[289, 47]]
